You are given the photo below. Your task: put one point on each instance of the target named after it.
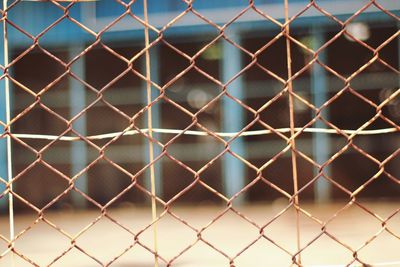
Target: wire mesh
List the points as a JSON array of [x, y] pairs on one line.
[[289, 134]]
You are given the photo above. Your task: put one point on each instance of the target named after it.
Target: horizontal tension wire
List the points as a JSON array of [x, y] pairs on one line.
[[201, 133]]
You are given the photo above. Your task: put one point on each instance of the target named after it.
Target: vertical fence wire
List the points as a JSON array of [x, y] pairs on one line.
[[8, 126], [292, 141], [150, 133]]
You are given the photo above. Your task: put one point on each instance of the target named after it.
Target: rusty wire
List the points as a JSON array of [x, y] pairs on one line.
[[292, 126], [224, 138], [150, 131]]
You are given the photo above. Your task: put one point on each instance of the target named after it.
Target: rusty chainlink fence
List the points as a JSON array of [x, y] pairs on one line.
[[152, 36]]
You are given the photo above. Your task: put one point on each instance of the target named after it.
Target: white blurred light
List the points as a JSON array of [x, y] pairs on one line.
[[197, 98], [358, 30]]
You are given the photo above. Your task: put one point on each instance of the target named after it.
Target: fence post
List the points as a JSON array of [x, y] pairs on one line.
[[156, 116], [233, 116], [321, 141], [77, 100]]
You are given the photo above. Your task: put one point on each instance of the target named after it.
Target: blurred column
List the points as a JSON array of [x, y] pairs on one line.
[[321, 141], [77, 100], [3, 142], [233, 116], [156, 118]]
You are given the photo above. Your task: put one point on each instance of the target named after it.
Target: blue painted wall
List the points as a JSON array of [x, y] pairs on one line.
[[34, 17]]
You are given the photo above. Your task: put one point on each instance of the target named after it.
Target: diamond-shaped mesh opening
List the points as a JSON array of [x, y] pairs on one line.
[[375, 77], [194, 91], [333, 252], [181, 176], [181, 63], [70, 218], [357, 110], [101, 232], [199, 133], [205, 37], [241, 233], [271, 185], [53, 14], [353, 178], [282, 217], [104, 177], [40, 120], [48, 68], [165, 248], [133, 214], [349, 50], [51, 185], [40, 232], [384, 239], [116, 120], [361, 234], [73, 28]]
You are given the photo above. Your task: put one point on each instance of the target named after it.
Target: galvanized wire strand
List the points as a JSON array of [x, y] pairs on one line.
[[202, 133], [150, 133], [8, 127], [292, 141]]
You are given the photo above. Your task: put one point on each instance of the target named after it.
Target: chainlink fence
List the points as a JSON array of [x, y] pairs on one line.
[[166, 127]]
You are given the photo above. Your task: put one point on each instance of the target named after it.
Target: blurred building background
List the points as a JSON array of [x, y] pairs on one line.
[[101, 66]]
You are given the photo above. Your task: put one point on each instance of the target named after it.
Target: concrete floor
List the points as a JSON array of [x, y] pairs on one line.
[[230, 234]]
